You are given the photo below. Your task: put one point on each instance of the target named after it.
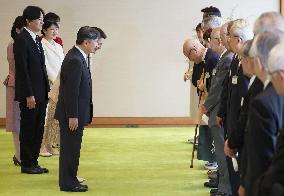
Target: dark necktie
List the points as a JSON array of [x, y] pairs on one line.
[[38, 43]]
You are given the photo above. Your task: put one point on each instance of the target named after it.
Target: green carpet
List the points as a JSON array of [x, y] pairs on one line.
[[116, 162]]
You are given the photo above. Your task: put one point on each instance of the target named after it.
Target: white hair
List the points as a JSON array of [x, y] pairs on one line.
[[269, 21], [276, 58], [212, 22], [242, 29], [262, 45]]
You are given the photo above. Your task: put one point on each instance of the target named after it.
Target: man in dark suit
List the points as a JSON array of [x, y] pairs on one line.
[[266, 115], [211, 107], [271, 182], [31, 89], [207, 59], [73, 110]]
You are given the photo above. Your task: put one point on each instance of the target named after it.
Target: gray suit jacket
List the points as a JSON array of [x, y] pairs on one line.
[[212, 102]]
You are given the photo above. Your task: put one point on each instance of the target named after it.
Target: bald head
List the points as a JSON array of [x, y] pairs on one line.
[[193, 50], [189, 44]]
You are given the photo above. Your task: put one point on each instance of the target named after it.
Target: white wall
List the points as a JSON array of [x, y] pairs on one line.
[[139, 71]]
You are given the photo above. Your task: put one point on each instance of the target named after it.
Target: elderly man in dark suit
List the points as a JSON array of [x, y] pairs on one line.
[[211, 106], [266, 115], [31, 89], [272, 182], [207, 59], [73, 110]]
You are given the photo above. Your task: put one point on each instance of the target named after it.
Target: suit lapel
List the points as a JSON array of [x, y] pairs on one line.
[[33, 44]]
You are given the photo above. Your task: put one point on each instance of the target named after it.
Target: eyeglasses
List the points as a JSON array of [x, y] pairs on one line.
[[190, 51], [235, 36]]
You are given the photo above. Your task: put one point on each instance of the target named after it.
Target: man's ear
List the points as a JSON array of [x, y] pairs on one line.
[[281, 74], [239, 40]]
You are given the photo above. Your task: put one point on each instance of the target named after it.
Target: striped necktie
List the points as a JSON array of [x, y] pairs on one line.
[[38, 43]]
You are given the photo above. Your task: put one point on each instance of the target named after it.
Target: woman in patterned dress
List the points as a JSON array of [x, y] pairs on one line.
[[54, 56]]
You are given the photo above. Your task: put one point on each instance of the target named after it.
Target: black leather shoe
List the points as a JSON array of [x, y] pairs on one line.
[[220, 194], [211, 184], [213, 191], [31, 170], [79, 188], [44, 170], [86, 186]]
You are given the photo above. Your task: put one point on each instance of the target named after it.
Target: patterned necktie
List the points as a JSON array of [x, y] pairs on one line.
[[38, 43]]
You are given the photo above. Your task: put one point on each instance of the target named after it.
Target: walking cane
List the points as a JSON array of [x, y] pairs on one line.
[[195, 136], [201, 94]]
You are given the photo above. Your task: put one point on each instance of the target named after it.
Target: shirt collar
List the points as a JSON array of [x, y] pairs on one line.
[[223, 53], [83, 53], [31, 33], [266, 82], [251, 81], [204, 54]]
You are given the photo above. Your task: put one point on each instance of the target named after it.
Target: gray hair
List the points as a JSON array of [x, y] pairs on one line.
[[269, 21], [262, 45], [276, 58], [246, 48], [242, 29], [212, 22]]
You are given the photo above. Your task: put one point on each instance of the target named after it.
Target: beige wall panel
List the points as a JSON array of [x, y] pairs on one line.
[[139, 71]]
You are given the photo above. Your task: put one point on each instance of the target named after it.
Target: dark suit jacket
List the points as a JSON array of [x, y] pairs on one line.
[[266, 117], [235, 92], [236, 138], [275, 173], [214, 96], [210, 61], [31, 76], [75, 90]]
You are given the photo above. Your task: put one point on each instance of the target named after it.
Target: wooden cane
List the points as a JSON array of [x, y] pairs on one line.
[[202, 95]]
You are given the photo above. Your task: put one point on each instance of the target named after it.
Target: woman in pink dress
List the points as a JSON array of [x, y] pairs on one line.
[[12, 107]]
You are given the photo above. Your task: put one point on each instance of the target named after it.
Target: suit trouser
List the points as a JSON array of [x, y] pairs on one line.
[[32, 128], [70, 146], [234, 177], [224, 179]]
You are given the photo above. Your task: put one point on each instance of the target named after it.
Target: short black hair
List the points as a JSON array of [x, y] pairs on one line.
[[211, 11], [198, 27], [32, 13], [48, 24], [87, 33], [207, 34], [50, 16], [18, 24], [102, 33]]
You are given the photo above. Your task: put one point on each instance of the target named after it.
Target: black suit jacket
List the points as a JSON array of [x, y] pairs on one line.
[[232, 94], [266, 117], [275, 173], [75, 90], [236, 137], [31, 76]]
